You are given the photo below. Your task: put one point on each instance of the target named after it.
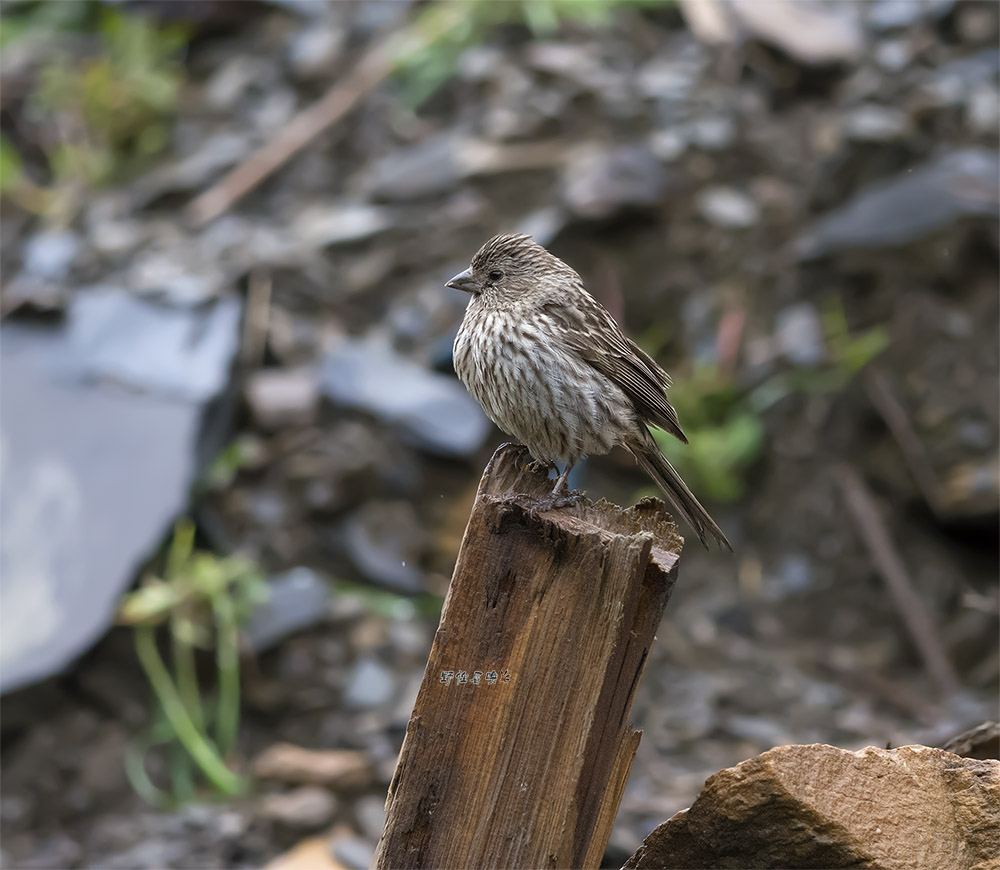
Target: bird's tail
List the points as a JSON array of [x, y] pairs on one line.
[[655, 464]]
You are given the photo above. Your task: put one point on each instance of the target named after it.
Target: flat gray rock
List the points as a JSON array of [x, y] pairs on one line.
[[910, 206], [98, 430], [432, 410]]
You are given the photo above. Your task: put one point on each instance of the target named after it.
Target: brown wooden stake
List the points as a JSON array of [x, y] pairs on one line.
[[519, 746]]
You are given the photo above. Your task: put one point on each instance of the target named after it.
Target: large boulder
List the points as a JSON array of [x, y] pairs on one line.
[[819, 806]]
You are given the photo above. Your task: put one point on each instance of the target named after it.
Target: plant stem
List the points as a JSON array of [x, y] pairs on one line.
[[181, 774], [192, 739], [187, 675], [227, 656], [135, 770]]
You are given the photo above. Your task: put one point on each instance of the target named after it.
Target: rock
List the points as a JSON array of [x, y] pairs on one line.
[[909, 206], [799, 334], [370, 684], [597, 183], [234, 78], [323, 226], [61, 850], [426, 169], [436, 166], [543, 225], [871, 123], [155, 851], [102, 767], [814, 34], [481, 158], [112, 238], [177, 273], [153, 348], [372, 18], [971, 489], [283, 397], [311, 854], [40, 294], [93, 474], [308, 807], [480, 63], [49, 258], [977, 26], [51, 254], [211, 157], [819, 806], [585, 68], [513, 108], [794, 576], [726, 207], [667, 77], [954, 81], [668, 145], [897, 14], [432, 411], [370, 813], [712, 133], [893, 55], [575, 62], [306, 9], [313, 51], [273, 111], [353, 852], [334, 768], [982, 742], [982, 109], [297, 600], [385, 541]]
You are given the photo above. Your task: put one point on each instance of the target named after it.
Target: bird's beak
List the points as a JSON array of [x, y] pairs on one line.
[[463, 281]]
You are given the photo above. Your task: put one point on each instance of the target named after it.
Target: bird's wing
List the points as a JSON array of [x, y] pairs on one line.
[[590, 331]]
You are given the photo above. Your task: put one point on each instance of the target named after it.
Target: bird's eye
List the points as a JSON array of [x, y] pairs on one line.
[[496, 275]]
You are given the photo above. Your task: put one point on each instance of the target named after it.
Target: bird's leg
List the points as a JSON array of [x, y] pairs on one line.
[[559, 497], [562, 482]]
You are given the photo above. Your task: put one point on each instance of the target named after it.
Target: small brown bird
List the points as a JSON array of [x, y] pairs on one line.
[[551, 367]]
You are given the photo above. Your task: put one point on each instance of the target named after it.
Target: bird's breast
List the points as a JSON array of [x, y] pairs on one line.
[[536, 389]]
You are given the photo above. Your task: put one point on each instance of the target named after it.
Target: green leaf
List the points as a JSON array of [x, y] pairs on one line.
[[11, 168], [148, 604], [857, 352]]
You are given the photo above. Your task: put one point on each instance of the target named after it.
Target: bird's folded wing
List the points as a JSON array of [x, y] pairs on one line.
[[593, 333]]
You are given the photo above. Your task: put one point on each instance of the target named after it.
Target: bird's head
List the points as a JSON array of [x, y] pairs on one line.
[[506, 268]]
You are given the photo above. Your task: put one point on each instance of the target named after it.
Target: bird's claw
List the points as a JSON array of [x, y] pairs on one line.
[[552, 502]]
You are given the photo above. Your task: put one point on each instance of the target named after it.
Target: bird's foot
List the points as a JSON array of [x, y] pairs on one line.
[[553, 501]]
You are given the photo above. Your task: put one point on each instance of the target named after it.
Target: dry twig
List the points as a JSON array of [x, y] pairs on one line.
[[923, 631], [339, 100], [258, 318], [894, 415]]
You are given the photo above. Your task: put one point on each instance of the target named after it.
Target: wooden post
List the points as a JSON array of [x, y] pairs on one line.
[[519, 746]]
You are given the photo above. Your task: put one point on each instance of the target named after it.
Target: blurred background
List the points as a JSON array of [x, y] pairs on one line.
[[236, 462]]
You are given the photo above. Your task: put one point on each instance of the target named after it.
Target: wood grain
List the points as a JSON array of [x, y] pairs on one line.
[[528, 769]]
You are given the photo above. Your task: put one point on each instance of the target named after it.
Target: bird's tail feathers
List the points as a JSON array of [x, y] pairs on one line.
[[655, 464]]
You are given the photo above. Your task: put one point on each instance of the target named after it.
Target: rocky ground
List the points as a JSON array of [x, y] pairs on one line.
[[803, 232]]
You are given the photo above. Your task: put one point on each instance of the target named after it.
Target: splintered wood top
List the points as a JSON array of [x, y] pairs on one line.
[[509, 478]]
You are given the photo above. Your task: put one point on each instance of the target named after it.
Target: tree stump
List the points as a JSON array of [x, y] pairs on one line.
[[519, 746]]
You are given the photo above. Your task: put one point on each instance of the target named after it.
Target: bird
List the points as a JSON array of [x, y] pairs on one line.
[[552, 368]]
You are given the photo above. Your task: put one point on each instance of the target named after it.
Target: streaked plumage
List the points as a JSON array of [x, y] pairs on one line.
[[551, 367]]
